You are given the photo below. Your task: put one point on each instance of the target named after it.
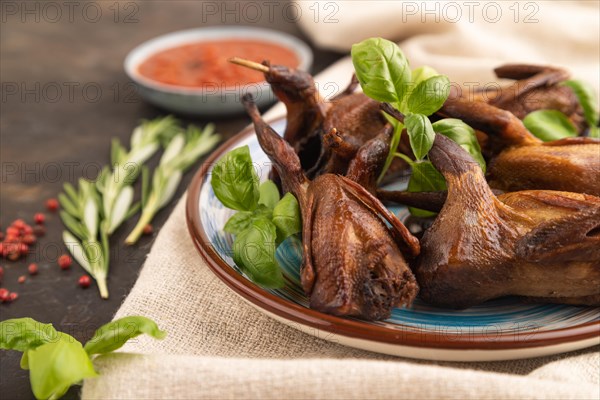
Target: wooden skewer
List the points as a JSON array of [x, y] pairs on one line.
[[249, 64]]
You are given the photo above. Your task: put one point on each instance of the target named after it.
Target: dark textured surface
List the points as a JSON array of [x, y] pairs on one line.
[[49, 137]]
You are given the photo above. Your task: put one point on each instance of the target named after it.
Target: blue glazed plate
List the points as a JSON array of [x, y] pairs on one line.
[[502, 329]]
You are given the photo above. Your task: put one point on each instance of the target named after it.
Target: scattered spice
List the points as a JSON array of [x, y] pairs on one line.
[[29, 239], [23, 249], [148, 229], [15, 244], [85, 281], [13, 254], [16, 241], [39, 230], [33, 269], [39, 218], [52, 205], [18, 224], [65, 261]]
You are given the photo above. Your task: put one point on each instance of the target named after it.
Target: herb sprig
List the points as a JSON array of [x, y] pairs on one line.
[[263, 220], [92, 213], [181, 153], [56, 360], [95, 210], [385, 75]]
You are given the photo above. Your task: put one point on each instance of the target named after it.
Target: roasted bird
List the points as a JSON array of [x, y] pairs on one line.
[[353, 263], [355, 117], [366, 162], [522, 161], [536, 87], [535, 243]]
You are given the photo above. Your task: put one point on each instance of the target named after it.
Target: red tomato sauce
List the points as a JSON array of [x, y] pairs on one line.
[[205, 64]]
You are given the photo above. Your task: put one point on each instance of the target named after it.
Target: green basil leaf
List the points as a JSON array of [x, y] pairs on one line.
[[113, 335], [254, 253], [418, 75], [382, 69], [549, 125], [242, 219], [422, 73], [238, 222], [262, 211], [429, 95], [286, 217], [22, 334], [588, 100], [420, 133], [594, 132], [425, 178], [462, 134], [54, 367], [235, 182], [269, 194]]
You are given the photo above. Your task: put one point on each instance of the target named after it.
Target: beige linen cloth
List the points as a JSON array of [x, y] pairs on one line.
[[218, 346]]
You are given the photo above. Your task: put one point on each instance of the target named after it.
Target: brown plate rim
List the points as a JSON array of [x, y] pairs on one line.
[[350, 327]]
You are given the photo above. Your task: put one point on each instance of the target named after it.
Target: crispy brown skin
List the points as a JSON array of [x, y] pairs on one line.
[[524, 162], [306, 110], [310, 118], [353, 264], [356, 268], [568, 164], [357, 119], [537, 244], [536, 87]]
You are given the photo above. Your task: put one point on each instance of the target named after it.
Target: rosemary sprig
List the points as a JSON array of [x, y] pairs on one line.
[[92, 213], [115, 185], [81, 216], [183, 151]]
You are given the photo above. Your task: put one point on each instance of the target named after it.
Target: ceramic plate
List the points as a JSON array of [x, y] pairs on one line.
[[502, 329]]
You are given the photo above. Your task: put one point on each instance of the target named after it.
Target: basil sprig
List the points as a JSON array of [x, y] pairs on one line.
[[385, 75], [56, 361], [263, 220]]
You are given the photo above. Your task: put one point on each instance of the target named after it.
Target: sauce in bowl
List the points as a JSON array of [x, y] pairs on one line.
[[204, 64]]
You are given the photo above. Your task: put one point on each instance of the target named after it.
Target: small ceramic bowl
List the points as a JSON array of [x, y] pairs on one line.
[[207, 102]]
